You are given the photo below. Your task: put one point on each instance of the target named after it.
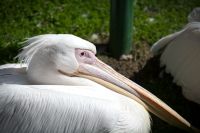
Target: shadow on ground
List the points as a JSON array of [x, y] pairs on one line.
[[153, 78]]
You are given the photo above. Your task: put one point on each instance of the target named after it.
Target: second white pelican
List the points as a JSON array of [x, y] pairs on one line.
[[180, 54]]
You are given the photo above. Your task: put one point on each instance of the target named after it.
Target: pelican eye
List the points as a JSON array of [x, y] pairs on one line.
[[82, 54], [85, 54]]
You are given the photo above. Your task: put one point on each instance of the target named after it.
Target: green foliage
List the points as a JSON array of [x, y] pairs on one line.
[[20, 19], [157, 18]]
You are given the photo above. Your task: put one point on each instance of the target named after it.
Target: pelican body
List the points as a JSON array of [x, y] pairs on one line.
[[61, 86], [180, 53], [65, 109]]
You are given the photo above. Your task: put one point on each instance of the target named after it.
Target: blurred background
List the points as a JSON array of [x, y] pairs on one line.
[[89, 19], [20, 19]]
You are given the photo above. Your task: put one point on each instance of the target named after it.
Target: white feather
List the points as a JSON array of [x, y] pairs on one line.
[[67, 109], [181, 56]]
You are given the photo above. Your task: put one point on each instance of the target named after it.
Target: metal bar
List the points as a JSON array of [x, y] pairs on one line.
[[121, 27]]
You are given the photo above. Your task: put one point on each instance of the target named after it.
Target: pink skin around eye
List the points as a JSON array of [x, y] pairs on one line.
[[85, 56]]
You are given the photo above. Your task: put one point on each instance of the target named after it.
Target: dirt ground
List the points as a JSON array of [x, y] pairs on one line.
[[145, 70]]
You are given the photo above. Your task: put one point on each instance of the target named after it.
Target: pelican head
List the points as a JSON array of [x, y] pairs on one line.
[[69, 60]]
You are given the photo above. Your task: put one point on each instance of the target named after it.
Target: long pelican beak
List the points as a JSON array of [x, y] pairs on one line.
[[108, 77]]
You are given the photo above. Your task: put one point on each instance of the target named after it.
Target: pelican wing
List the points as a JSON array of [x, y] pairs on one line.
[[66, 109], [13, 74], [181, 57], [161, 44]]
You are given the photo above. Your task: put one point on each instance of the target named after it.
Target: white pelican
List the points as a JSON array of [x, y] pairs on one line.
[[180, 53], [63, 87]]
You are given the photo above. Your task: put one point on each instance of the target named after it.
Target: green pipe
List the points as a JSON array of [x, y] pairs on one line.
[[121, 27]]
